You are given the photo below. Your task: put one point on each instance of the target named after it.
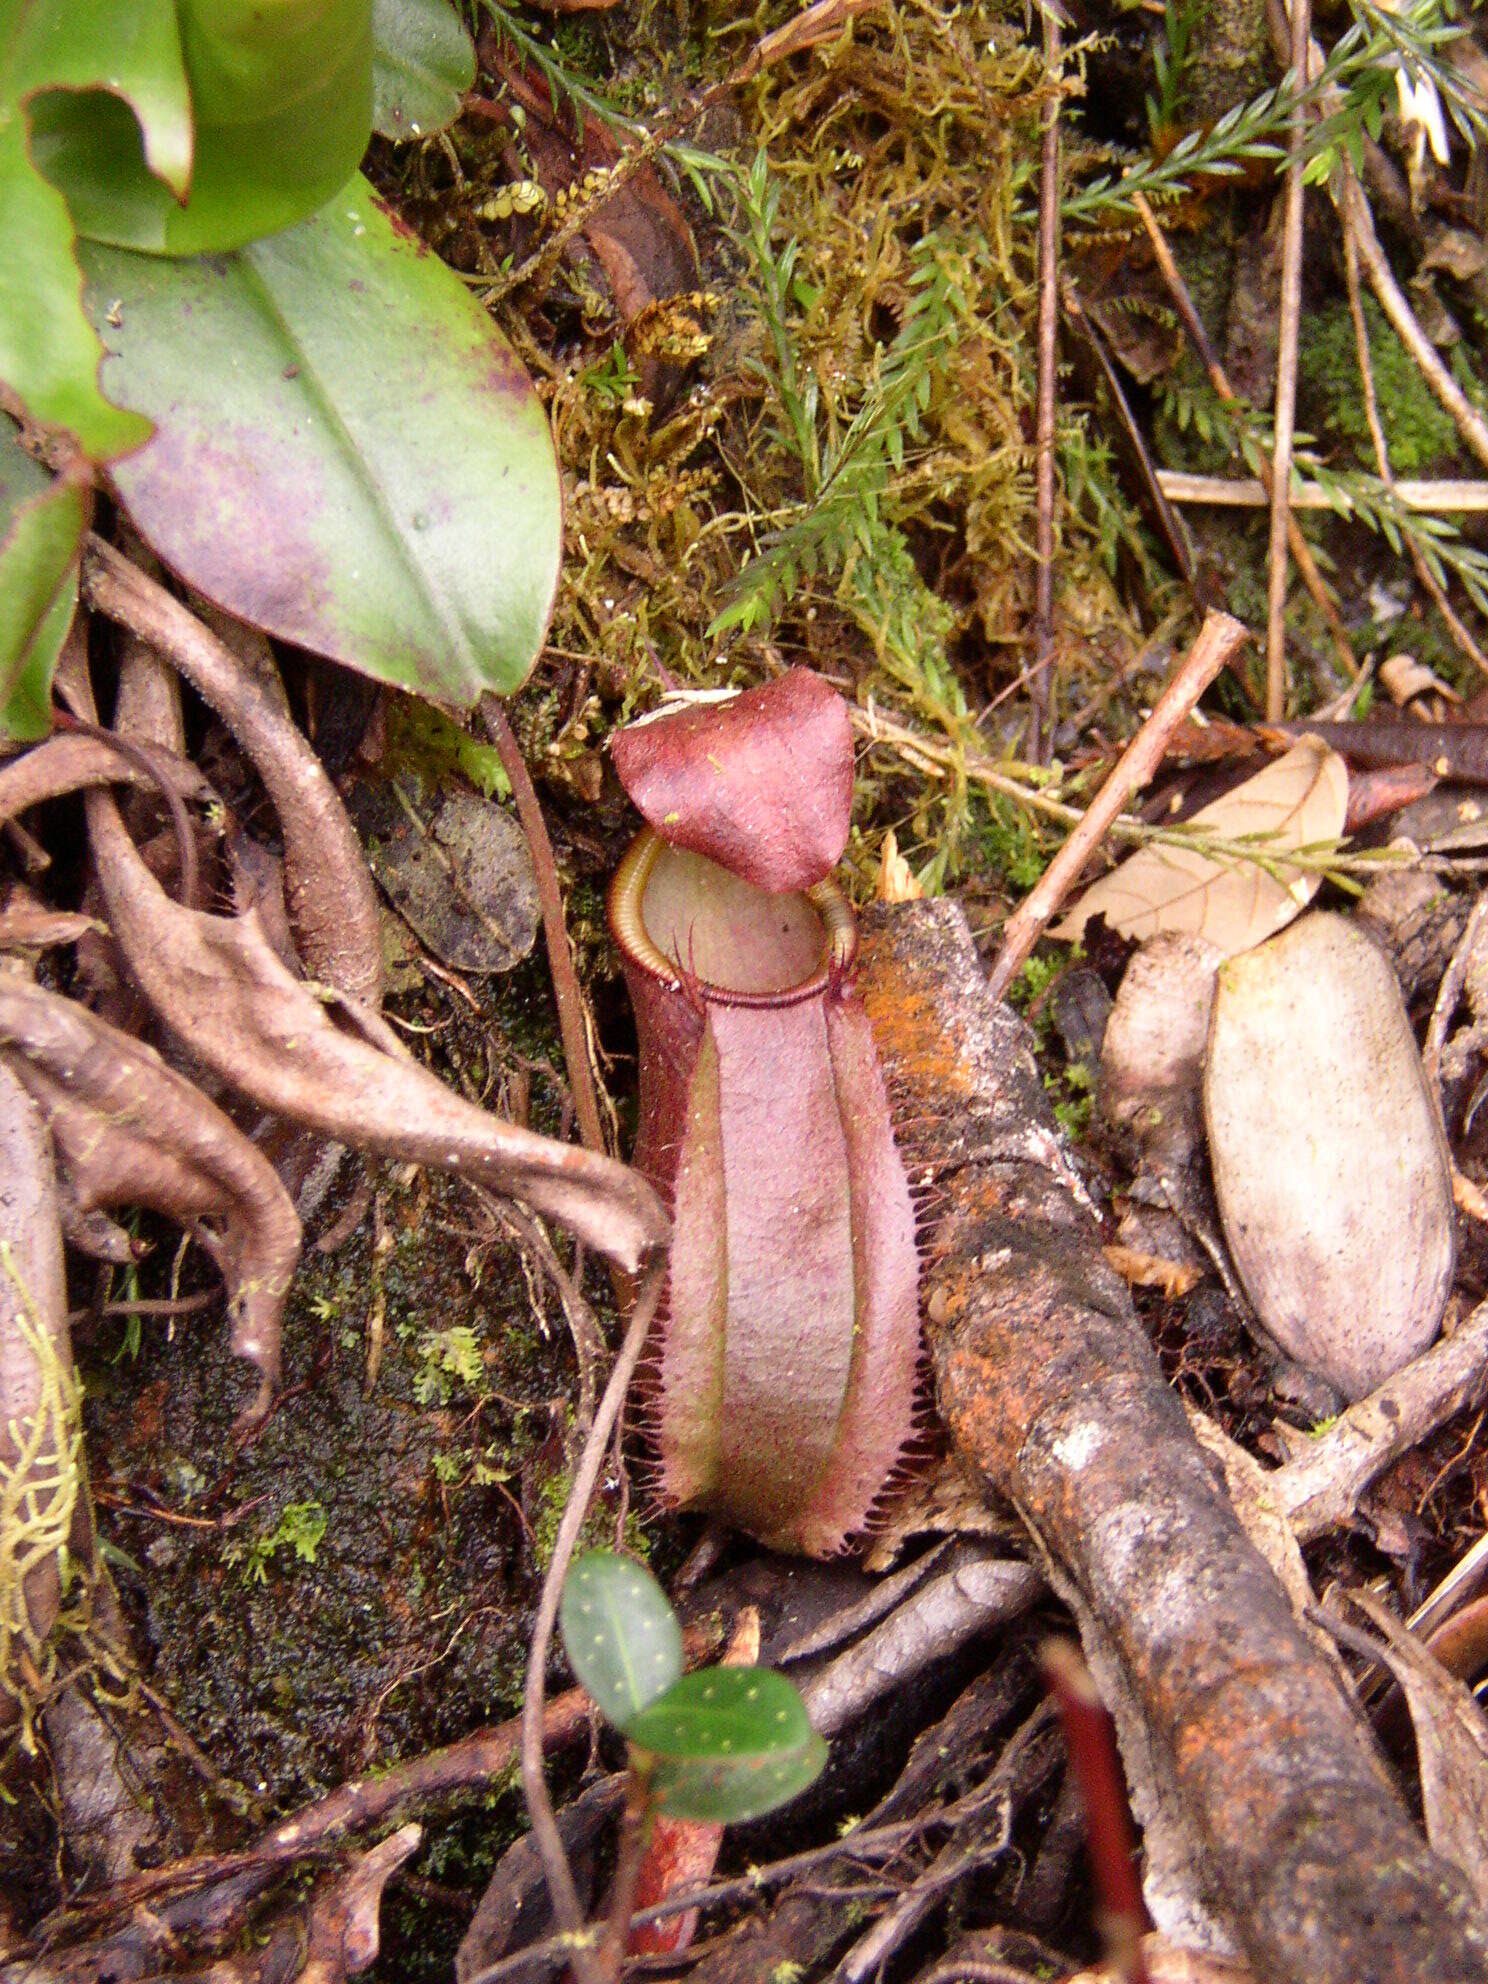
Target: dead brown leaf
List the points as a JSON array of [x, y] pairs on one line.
[[217, 984], [71, 762], [129, 1131], [1297, 801], [1451, 1743], [1138, 1270], [328, 888]]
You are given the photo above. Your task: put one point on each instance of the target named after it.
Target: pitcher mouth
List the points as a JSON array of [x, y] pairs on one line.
[[688, 922]]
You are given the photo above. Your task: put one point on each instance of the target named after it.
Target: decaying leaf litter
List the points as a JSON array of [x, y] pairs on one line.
[[858, 412]]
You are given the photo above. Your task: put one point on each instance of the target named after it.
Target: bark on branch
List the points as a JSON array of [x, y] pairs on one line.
[[1247, 1738]]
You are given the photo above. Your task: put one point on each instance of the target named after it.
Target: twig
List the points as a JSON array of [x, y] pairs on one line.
[[180, 1305], [1321, 1487], [572, 1023], [1209, 358], [556, 1869], [1048, 382], [583, 1329], [927, 755], [1286, 379], [635, 1834], [1359, 221], [1434, 496], [976, 1592], [1220, 640], [329, 891], [870, 1843], [480, 1758], [1448, 993], [1429, 582], [148, 758]]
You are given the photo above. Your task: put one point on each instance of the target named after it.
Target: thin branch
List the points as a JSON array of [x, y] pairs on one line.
[[867, 1844], [1048, 382], [1359, 221], [1433, 496], [567, 993], [1209, 358], [1286, 379], [1321, 1488], [1429, 582], [1220, 640], [566, 1910]]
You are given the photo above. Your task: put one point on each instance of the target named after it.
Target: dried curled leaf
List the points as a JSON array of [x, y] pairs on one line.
[[1451, 1744], [328, 888], [218, 985], [1298, 801], [1330, 1167], [129, 1131], [68, 763]]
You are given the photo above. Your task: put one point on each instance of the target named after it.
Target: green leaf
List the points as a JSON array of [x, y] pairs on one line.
[[620, 1633], [281, 101], [347, 453], [49, 355], [730, 1743], [422, 64], [129, 50], [42, 521]]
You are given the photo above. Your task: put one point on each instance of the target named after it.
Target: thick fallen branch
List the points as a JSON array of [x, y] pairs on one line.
[[1242, 1743]]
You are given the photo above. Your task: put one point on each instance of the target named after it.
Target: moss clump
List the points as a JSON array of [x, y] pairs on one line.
[[1420, 435]]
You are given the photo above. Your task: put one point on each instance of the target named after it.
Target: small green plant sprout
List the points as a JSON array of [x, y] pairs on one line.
[[719, 1745]]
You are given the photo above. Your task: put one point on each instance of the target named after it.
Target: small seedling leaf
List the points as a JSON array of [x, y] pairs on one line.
[[729, 1744], [621, 1634], [729, 1793]]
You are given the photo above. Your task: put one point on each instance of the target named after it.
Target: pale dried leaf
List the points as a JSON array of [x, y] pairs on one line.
[[1324, 1136], [1298, 801], [1139, 1270], [897, 881], [1404, 678], [1451, 1744]]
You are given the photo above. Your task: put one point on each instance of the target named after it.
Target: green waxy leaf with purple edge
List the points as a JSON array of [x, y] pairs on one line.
[[42, 520], [49, 353], [620, 1634], [279, 115], [423, 61], [729, 1743], [347, 454]]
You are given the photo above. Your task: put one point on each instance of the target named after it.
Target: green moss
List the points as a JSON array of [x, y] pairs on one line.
[[1420, 435]]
